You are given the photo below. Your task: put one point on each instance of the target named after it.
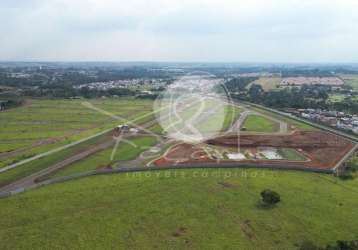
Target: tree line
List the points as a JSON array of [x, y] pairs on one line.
[[306, 96]]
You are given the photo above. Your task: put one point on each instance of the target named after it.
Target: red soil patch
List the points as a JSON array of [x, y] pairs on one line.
[[179, 232], [323, 149], [104, 167]]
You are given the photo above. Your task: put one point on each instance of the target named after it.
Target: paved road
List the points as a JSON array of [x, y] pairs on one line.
[[115, 117], [283, 127], [51, 151], [346, 157], [316, 125], [352, 138], [30, 180], [27, 148], [238, 123]]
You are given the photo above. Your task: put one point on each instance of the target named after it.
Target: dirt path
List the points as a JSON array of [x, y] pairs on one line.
[[25, 149]]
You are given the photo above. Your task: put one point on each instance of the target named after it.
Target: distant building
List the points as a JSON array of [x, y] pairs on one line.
[[299, 81], [236, 156], [355, 130], [123, 127], [271, 154], [134, 130]]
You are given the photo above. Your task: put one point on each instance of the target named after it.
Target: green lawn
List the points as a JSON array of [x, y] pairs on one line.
[[336, 98], [291, 154], [156, 128], [124, 152], [351, 80], [188, 209], [257, 123], [232, 114], [297, 124]]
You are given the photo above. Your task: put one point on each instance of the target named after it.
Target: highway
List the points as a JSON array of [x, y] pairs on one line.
[[329, 129]]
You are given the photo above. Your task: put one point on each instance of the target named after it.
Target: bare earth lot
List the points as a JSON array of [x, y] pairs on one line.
[[324, 150]]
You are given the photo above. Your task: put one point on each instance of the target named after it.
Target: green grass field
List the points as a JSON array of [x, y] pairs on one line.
[[339, 98], [61, 122], [232, 114], [211, 117], [157, 129], [291, 154], [220, 122], [188, 209], [124, 152], [42, 163], [268, 83], [351, 80], [294, 123], [257, 123], [336, 98]]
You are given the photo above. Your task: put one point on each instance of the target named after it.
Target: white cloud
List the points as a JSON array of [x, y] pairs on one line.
[[189, 30]]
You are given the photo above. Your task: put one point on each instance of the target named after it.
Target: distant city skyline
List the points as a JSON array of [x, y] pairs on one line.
[[272, 31]]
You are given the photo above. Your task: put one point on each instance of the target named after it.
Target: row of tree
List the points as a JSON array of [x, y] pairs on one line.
[[304, 97], [69, 91], [339, 245], [307, 96]]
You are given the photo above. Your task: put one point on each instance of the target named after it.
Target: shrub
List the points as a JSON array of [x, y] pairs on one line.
[[270, 197], [308, 245], [346, 176]]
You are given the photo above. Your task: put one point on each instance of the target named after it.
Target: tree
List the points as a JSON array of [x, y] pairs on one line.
[[239, 84], [255, 92], [308, 245], [270, 197]]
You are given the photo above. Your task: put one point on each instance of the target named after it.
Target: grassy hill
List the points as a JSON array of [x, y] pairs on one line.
[[184, 209]]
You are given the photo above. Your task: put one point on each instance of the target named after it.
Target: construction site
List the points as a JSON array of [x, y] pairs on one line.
[[315, 150]]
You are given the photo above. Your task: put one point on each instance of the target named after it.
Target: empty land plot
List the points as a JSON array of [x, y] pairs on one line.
[[156, 128], [291, 154], [29, 168], [322, 150], [302, 80], [268, 83], [336, 98], [125, 152], [351, 80], [293, 123], [160, 210], [217, 120], [257, 123], [46, 124]]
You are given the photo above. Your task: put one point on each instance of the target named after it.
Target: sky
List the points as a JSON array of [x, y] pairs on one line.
[[284, 31]]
